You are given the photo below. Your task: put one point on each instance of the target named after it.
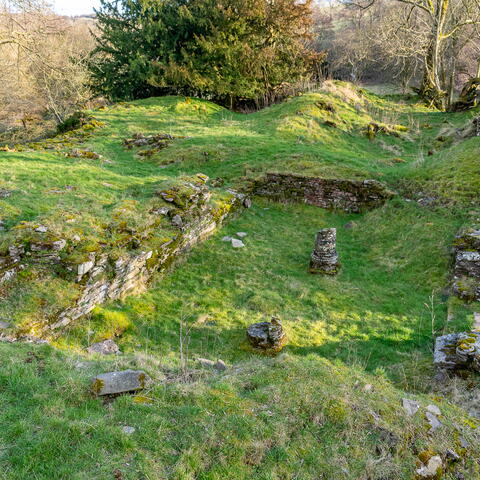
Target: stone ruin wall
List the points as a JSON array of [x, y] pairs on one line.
[[353, 196], [466, 281], [101, 279]]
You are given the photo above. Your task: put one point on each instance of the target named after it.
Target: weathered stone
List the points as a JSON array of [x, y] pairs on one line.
[[324, 259], [4, 193], [348, 195], [85, 267], [458, 351], [5, 325], [220, 365], [204, 362], [107, 347], [161, 211], [410, 406], [104, 280], [120, 382], [41, 229], [434, 409], [434, 422], [242, 234], [466, 282], [432, 468], [237, 243], [177, 221], [452, 455], [59, 245], [267, 335], [247, 203], [227, 239]]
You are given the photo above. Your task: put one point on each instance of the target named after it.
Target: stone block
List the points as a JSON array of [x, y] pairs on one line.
[[120, 382]]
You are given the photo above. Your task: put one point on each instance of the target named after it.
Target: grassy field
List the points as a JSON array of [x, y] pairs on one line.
[[328, 407]]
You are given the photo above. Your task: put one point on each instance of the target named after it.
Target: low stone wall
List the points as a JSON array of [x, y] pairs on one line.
[[106, 281], [466, 282], [351, 196], [102, 276]]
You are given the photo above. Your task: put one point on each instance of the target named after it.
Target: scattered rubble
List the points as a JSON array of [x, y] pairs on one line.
[[88, 154]]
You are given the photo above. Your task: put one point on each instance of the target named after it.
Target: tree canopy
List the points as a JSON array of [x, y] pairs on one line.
[[225, 50]]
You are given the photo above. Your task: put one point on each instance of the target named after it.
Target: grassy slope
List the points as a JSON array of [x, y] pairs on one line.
[[303, 416]]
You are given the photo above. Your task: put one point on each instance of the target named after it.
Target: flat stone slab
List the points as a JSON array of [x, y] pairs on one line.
[[237, 243], [120, 382]]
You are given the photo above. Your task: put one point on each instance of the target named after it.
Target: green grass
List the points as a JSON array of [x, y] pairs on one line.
[[285, 418], [304, 415], [373, 312]]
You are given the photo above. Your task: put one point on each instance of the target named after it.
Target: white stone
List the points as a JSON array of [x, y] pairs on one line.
[[41, 229], [434, 409], [410, 406], [242, 234], [59, 245], [237, 243], [227, 239], [84, 268], [128, 430], [432, 467], [5, 325]]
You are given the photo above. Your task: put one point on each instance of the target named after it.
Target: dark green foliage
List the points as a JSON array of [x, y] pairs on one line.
[[76, 120], [230, 52]]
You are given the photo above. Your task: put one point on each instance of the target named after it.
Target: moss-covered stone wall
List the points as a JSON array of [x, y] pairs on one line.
[[351, 196]]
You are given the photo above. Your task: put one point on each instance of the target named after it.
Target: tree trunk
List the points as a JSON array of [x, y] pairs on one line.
[[431, 89]]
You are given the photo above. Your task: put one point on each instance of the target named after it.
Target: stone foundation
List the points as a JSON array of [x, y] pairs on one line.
[[351, 196], [103, 277], [466, 282]]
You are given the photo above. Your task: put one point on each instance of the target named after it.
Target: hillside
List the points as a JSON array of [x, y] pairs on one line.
[[359, 343]]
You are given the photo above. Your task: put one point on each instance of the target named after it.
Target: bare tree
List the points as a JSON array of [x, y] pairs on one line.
[[442, 21], [42, 62]]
